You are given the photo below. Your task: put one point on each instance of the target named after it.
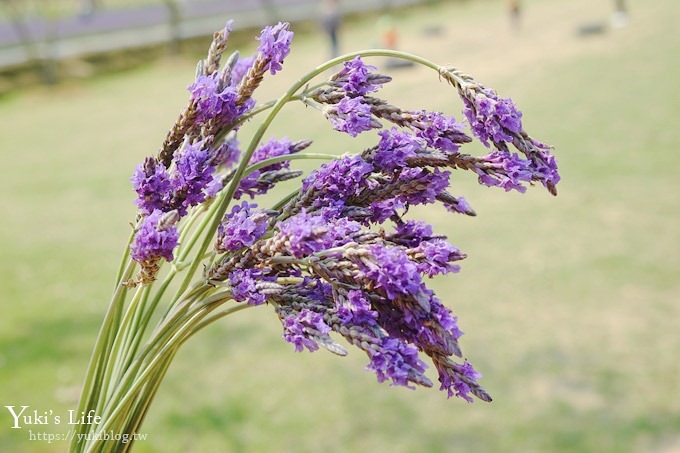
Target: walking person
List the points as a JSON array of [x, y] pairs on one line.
[[330, 20], [620, 15], [514, 9]]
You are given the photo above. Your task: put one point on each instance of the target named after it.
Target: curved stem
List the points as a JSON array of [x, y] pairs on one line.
[[277, 159]]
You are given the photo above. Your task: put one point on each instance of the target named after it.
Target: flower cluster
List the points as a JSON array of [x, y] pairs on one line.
[[339, 257], [497, 121], [241, 228], [367, 287], [275, 45], [193, 164]]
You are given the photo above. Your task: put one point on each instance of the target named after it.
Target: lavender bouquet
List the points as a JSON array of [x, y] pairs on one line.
[[335, 258]]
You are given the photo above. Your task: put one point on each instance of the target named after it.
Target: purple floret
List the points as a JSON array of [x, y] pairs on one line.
[[438, 257], [509, 171], [192, 176], [275, 45], [358, 311], [252, 184], [154, 239], [355, 78], [298, 329], [492, 118], [394, 148], [244, 286], [152, 183], [411, 233], [241, 227], [352, 116], [439, 131], [240, 69], [214, 101], [397, 361], [307, 233], [392, 271], [458, 380], [459, 205], [338, 180], [423, 185]]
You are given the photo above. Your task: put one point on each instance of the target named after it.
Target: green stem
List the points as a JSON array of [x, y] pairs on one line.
[[117, 411], [91, 394], [287, 157]]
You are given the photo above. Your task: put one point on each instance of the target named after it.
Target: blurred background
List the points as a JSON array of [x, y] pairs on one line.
[[571, 305]]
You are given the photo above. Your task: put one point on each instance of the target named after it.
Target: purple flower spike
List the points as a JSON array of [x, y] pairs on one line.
[[275, 45], [439, 131], [156, 238], [459, 380], [507, 170], [492, 118], [255, 183], [358, 311], [352, 116], [397, 361], [204, 91], [412, 233], [438, 257], [421, 186], [393, 272], [299, 328], [244, 286], [355, 78], [241, 228], [306, 234], [214, 101], [394, 148], [459, 205], [193, 174], [338, 180], [151, 181]]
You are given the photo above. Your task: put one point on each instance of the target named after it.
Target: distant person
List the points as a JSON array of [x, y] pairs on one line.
[[330, 20], [620, 15], [388, 32], [514, 10], [87, 8]]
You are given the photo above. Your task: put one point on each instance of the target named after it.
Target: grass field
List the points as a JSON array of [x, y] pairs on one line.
[[571, 305]]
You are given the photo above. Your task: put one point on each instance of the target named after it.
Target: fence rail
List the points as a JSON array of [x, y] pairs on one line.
[[110, 30]]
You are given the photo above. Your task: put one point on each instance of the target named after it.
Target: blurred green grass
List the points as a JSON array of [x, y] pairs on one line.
[[570, 304]]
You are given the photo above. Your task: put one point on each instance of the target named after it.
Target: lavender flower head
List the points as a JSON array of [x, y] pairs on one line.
[[338, 180], [397, 361], [241, 228], [298, 329], [259, 182], [216, 101], [193, 174], [394, 148], [306, 234], [151, 181], [352, 116], [244, 286], [275, 45], [492, 118], [392, 272], [356, 78], [440, 131], [156, 237]]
